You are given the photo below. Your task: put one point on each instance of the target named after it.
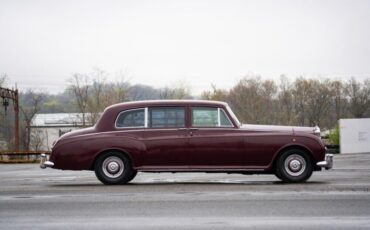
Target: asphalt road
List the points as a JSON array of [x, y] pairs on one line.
[[31, 198]]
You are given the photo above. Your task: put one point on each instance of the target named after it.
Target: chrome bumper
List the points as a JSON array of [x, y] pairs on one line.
[[44, 163], [327, 163]]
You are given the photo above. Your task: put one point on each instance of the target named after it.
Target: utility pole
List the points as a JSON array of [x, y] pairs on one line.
[[7, 94]]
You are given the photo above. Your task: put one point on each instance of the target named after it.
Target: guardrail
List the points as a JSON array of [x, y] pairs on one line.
[[21, 157]]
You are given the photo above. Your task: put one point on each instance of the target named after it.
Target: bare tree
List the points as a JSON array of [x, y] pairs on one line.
[[104, 94], [312, 98], [37, 142], [215, 94], [359, 97], [121, 88], [180, 90], [79, 87], [142, 92], [339, 102], [3, 78], [252, 99], [95, 102], [166, 93], [93, 93], [321, 102], [286, 102], [34, 101]]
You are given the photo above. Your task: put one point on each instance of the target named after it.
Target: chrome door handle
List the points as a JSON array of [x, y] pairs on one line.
[[192, 130]]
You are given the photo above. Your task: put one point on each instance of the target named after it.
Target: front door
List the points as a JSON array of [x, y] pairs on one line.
[[214, 141]]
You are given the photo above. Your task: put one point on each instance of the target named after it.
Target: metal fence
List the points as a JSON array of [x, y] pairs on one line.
[[21, 157]]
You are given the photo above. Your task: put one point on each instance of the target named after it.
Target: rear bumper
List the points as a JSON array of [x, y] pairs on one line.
[[44, 163], [327, 163]]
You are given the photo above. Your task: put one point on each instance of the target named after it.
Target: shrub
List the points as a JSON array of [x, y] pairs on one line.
[[334, 136]]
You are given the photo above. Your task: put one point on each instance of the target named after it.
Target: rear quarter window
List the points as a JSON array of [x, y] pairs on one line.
[[131, 119]]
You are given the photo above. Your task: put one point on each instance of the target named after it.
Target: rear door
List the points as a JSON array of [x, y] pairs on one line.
[[166, 138]]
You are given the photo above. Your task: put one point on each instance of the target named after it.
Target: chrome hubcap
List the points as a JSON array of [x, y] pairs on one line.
[[113, 167], [295, 165]]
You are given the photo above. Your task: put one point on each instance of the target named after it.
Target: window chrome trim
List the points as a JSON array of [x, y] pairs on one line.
[[133, 127], [218, 117], [233, 116], [146, 117], [146, 120]]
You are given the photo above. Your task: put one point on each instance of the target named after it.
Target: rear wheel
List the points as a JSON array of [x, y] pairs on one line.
[[113, 168], [294, 165]]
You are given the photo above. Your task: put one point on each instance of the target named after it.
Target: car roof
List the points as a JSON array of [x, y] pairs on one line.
[[111, 112], [133, 104]]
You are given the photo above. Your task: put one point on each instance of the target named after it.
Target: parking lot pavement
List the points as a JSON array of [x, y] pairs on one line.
[[52, 199]]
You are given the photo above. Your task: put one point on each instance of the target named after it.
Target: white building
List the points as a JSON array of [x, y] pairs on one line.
[[46, 128], [354, 135]]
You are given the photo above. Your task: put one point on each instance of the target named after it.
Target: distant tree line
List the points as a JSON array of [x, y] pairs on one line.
[[86, 94], [301, 102]]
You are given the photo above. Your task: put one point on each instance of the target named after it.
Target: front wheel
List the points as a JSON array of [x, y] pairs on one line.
[[113, 168], [294, 165]]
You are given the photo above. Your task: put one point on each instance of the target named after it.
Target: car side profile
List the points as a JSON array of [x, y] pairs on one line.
[[187, 136]]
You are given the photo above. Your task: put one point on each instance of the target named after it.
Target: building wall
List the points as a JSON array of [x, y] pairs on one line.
[[354, 135]]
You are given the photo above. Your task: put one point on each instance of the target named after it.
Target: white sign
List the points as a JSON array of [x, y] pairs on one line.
[[354, 135]]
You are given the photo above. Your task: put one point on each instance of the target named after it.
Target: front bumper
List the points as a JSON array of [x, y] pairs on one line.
[[44, 163], [327, 163]]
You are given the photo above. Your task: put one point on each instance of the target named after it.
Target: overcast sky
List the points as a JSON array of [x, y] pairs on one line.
[[202, 42]]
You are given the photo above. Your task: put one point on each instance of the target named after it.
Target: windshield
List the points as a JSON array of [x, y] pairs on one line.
[[233, 116]]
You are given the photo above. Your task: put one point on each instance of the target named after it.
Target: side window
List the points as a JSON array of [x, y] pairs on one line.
[[162, 117], [209, 117], [224, 120], [131, 119], [203, 116]]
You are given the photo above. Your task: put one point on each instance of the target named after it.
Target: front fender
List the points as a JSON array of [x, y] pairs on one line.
[[307, 143]]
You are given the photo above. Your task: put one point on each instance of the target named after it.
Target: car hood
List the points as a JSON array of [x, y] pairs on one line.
[[281, 128]]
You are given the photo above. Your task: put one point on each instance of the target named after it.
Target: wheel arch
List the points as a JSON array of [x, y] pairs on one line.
[[121, 151], [289, 147]]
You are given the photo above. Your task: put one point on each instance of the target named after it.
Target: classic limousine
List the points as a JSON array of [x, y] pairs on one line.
[[186, 136]]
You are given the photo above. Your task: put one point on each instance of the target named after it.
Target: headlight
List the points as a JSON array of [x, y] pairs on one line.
[[316, 130]]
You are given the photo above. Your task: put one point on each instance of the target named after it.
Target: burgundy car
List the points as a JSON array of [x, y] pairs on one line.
[[187, 136]]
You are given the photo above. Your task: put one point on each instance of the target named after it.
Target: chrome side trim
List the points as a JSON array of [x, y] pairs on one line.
[[44, 163], [327, 163], [199, 168]]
